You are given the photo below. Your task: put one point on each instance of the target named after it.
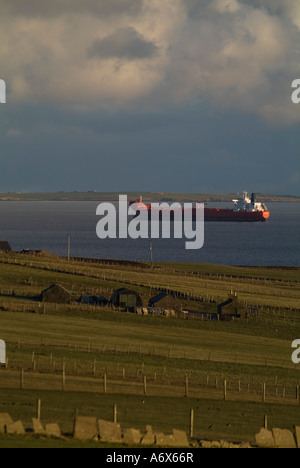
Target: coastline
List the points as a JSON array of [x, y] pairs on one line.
[[150, 196]]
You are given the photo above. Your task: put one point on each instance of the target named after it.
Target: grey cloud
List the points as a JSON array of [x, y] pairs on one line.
[[56, 8], [232, 54], [124, 43]]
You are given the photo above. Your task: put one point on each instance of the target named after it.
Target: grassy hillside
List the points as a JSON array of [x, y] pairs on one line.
[[90, 342]]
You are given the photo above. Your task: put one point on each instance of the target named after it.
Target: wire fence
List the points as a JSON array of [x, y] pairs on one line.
[[132, 370], [142, 384], [44, 349]]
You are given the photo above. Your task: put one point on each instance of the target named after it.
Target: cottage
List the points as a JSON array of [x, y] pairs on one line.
[[5, 247], [56, 294], [126, 299], [166, 302], [230, 307]]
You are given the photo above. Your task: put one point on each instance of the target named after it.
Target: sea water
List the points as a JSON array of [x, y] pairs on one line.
[[49, 225]]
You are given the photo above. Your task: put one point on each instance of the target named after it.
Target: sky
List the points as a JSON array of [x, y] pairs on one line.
[[150, 95]]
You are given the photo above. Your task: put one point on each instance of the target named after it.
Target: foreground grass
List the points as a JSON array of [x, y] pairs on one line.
[[156, 336], [214, 420], [29, 441], [91, 341], [66, 338]]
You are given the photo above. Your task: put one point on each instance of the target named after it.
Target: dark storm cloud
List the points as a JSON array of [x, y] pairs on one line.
[[185, 151], [124, 43], [56, 8]]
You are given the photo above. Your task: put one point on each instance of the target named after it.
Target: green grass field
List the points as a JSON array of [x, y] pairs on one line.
[[90, 342]]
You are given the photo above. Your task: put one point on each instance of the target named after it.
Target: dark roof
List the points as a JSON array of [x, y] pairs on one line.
[[117, 292], [157, 298], [4, 246], [93, 300], [166, 301], [225, 303], [56, 293], [55, 286], [102, 299], [230, 306]]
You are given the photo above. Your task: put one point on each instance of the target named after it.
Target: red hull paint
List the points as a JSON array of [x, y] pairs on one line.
[[221, 214], [217, 214]]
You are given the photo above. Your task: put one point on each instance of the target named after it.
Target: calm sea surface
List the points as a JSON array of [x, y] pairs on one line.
[[47, 225]]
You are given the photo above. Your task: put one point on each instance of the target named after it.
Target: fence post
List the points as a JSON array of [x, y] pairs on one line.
[[115, 413], [105, 382], [75, 414], [186, 386], [38, 409], [192, 424], [145, 385], [264, 392], [225, 390], [22, 379], [64, 377]]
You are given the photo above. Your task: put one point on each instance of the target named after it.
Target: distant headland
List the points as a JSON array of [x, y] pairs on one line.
[[149, 196]]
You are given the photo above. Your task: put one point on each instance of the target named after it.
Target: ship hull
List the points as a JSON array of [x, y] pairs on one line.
[[241, 214], [216, 215]]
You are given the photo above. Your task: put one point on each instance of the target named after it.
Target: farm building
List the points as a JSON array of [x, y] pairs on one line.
[[230, 307], [5, 247], [166, 302], [56, 294], [94, 300], [126, 299]]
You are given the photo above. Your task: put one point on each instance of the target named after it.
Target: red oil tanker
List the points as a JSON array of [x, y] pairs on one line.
[[244, 210]]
